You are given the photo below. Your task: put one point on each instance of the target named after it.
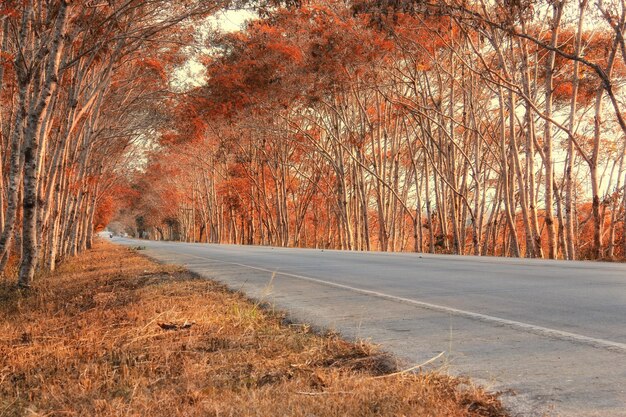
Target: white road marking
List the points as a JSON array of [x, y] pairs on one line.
[[530, 328]]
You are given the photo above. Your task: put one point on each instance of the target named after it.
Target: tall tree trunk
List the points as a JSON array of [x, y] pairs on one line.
[[30, 246], [557, 12], [509, 209], [17, 154], [595, 182], [570, 236]]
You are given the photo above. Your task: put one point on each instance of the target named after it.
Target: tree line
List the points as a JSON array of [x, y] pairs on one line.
[[485, 128], [80, 85]]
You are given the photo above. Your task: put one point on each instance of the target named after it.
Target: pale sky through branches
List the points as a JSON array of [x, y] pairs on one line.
[[192, 74]]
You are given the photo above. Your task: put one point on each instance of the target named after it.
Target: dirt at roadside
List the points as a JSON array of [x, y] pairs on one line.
[[113, 333]]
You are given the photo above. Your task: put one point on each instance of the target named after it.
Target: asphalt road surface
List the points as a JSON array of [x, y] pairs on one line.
[[551, 335]]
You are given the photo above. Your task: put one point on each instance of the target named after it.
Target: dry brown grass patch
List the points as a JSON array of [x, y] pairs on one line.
[[87, 341]]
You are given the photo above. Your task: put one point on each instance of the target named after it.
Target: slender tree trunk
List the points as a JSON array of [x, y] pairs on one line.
[[595, 182], [548, 161], [15, 180], [32, 141], [508, 208], [570, 236], [615, 208]]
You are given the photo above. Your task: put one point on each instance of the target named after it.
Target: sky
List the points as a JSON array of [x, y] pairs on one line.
[[232, 20], [192, 73]]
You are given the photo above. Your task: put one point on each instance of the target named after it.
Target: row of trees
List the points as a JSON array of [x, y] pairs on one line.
[[486, 128], [80, 82]]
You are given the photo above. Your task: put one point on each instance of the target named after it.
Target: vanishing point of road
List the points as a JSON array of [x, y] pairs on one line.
[[550, 335]]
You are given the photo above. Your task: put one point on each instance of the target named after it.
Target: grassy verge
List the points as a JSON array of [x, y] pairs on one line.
[[98, 338]]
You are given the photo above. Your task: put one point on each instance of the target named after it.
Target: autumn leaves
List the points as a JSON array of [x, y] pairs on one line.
[[441, 127], [76, 87]]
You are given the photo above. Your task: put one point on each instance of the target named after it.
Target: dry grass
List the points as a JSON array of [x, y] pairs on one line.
[[86, 341]]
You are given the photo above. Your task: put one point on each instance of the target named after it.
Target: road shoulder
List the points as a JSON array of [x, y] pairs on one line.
[[112, 332]]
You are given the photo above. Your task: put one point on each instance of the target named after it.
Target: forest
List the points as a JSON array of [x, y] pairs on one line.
[[441, 126]]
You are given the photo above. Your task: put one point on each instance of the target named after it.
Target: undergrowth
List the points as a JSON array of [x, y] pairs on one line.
[[113, 333]]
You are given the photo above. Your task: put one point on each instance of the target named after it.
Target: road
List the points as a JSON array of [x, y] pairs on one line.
[[550, 334]]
